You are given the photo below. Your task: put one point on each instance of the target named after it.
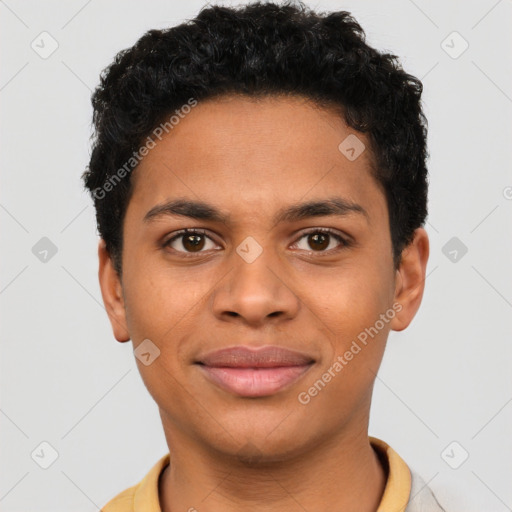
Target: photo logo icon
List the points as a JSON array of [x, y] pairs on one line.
[[146, 352], [454, 249], [44, 455], [44, 45], [454, 455], [352, 147], [44, 250], [454, 45], [249, 249]]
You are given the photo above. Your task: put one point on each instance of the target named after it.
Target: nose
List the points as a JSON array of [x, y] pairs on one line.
[[256, 292]]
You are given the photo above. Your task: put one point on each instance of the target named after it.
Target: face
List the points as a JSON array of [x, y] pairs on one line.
[[259, 268]]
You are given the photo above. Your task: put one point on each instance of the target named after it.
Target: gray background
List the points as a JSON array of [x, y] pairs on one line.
[[67, 382]]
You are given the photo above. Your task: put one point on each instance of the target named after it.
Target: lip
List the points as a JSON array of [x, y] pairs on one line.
[[254, 372]]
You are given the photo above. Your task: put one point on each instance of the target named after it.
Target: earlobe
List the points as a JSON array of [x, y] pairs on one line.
[[112, 293], [410, 280]]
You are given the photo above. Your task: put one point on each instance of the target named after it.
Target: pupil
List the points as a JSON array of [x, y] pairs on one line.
[[194, 240], [320, 238]]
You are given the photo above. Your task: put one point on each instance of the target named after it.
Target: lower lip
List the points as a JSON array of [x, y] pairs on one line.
[[254, 382]]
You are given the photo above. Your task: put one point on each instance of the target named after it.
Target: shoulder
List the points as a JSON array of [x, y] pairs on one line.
[[142, 497], [123, 502]]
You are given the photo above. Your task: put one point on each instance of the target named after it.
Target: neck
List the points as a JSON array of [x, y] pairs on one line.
[[343, 474]]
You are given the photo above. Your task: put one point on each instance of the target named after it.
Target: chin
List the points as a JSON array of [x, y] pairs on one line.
[[260, 456], [261, 444]]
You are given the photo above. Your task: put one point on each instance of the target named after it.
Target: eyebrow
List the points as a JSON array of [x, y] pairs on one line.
[[199, 210]]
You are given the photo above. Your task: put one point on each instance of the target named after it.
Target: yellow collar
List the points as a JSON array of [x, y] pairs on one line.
[[398, 485], [143, 497]]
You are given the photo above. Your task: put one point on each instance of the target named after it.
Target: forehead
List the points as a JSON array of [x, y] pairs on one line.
[[245, 154]]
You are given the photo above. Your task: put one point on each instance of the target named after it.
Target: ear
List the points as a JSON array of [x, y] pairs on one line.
[[112, 293], [410, 280]]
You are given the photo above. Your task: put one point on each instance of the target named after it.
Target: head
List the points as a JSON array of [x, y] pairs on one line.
[[295, 153]]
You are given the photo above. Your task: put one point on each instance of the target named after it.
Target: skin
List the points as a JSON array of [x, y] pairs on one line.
[[249, 159]]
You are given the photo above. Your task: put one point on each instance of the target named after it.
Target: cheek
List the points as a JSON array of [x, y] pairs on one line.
[[348, 300], [162, 305], [357, 334], [161, 309], [363, 330], [159, 299]]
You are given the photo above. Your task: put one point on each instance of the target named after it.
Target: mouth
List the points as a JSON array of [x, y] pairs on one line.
[[250, 372]]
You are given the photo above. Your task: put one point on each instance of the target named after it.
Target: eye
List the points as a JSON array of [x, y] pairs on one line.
[[321, 240], [194, 241], [190, 240]]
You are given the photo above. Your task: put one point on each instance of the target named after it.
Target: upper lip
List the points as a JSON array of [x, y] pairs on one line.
[[268, 356]]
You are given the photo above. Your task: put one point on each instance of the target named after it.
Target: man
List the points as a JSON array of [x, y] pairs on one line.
[[260, 186]]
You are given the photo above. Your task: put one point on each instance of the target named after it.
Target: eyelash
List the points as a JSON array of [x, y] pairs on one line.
[[345, 243]]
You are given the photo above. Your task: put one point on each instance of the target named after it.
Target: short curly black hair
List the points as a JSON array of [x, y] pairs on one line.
[[259, 49]]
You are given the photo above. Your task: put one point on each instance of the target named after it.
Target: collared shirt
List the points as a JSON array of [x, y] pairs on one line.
[[405, 491]]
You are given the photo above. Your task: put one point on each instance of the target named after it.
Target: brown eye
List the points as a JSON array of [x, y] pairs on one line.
[[322, 240], [193, 243], [318, 240], [189, 241]]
